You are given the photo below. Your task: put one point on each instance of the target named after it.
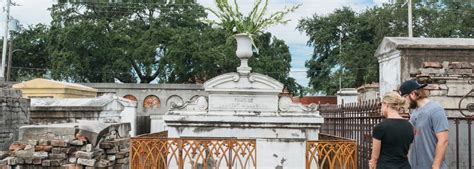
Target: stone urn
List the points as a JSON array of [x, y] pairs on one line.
[[244, 52]]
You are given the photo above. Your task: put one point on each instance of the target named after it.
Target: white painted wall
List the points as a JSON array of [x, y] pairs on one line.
[[390, 72], [274, 154], [129, 114], [157, 123], [349, 95]]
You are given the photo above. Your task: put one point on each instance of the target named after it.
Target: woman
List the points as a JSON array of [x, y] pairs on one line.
[[392, 137]]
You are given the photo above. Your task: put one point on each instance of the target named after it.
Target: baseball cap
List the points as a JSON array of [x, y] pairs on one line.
[[408, 86]]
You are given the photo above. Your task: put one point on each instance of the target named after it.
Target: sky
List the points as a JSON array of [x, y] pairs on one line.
[[35, 11]]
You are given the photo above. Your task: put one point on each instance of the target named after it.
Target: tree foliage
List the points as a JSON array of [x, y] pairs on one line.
[[134, 42], [30, 58], [344, 41]]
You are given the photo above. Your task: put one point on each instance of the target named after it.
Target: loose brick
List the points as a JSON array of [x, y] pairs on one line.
[[107, 145], [57, 156], [460, 65], [112, 150], [59, 143], [122, 161], [37, 161], [24, 153], [11, 160], [431, 71], [56, 163], [16, 147], [432, 65], [72, 160], [85, 155], [104, 163], [121, 154], [86, 162], [89, 148], [29, 160], [56, 150], [69, 150], [46, 163], [71, 166], [77, 142], [40, 155], [20, 160], [112, 157], [33, 142], [44, 142], [29, 148], [4, 154], [43, 148], [465, 65], [460, 71]]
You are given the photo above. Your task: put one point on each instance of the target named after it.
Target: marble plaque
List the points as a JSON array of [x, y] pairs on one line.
[[221, 102]]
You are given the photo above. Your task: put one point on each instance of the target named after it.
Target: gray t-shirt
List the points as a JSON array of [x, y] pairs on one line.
[[427, 120]]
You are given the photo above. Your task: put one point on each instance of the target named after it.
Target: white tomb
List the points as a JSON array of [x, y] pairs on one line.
[[247, 105]]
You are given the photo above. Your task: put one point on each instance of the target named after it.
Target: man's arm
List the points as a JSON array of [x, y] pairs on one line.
[[441, 148]]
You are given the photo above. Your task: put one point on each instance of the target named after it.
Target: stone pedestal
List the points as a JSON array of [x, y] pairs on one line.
[[248, 106]]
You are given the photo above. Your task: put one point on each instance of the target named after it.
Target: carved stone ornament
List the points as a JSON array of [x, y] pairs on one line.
[[174, 101], [197, 103], [234, 82], [285, 104]]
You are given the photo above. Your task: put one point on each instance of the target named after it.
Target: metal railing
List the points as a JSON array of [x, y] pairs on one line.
[[192, 153], [356, 121], [331, 152], [353, 121]]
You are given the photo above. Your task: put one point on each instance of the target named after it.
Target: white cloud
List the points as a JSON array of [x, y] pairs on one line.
[[30, 12]]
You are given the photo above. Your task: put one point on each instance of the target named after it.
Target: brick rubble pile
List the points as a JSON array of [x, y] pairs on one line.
[[112, 153]]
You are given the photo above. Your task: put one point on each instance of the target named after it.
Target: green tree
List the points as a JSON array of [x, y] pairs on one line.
[[145, 42], [273, 59], [30, 58], [345, 41], [101, 42]]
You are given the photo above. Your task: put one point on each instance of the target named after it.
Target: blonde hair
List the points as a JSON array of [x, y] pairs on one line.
[[396, 102]]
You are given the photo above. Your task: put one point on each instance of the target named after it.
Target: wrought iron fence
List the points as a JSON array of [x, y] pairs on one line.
[[353, 121], [331, 152], [183, 153], [356, 121]]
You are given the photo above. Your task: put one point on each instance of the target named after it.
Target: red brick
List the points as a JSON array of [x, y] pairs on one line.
[[460, 71], [432, 65], [59, 143], [16, 147], [460, 65], [43, 148]]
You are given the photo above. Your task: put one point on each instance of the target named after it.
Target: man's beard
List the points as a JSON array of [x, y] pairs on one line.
[[412, 104]]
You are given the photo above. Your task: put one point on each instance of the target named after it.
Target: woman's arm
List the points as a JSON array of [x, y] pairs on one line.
[[376, 144]]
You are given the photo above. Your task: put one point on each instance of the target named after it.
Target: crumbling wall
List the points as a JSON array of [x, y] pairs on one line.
[[448, 82], [14, 114], [87, 144]]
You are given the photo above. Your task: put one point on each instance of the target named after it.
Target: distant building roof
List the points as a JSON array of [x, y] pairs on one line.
[[315, 99], [392, 43], [51, 84]]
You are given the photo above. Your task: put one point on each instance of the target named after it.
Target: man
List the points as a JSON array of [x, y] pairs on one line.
[[431, 128]]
